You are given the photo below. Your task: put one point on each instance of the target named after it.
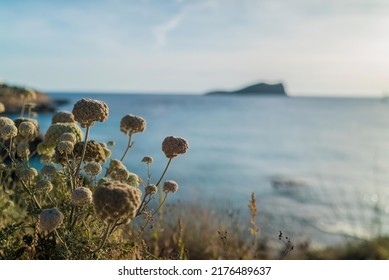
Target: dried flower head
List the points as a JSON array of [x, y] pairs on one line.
[[28, 128], [65, 147], [115, 200], [173, 146], [63, 117], [133, 179], [68, 137], [5, 121], [111, 143], [148, 160], [50, 219], [151, 189], [2, 108], [131, 124], [81, 196], [48, 170], [107, 152], [93, 168], [53, 135], [26, 173], [104, 180], [120, 174], [23, 149], [30, 105], [8, 131], [94, 151], [170, 186], [44, 185], [113, 165], [27, 93], [87, 111]]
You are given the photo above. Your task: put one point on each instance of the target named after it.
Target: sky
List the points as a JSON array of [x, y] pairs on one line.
[[315, 47]]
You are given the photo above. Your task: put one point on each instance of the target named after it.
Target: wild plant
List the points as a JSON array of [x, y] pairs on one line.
[[81, 197]]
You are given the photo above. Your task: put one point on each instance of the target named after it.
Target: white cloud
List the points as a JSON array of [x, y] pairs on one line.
[[161, 32]]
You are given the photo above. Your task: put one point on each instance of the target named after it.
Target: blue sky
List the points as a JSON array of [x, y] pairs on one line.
[[316, 47]]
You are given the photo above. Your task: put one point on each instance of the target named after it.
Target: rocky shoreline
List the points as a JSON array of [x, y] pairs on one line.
[[13, 98]]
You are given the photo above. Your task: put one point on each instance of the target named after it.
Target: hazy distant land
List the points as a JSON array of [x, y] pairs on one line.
[[256, 89]]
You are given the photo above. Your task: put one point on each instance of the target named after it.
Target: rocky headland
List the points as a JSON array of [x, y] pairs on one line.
[[13, 98], [260, 89]]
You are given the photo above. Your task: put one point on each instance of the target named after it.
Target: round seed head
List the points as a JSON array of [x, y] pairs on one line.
[[5, 121], [48, 170], [8, 131], [93, 168], [63, 117], [81, 196], [87, 111], [104, 180], [65, 147], [50, 219], [148, 160], [173, 146], [27, 173], [131, 124], [2, 108], [23, 149], [115, 200], [53, 135], [107, 152], [133, 179], [111, 143], [94, 151], [151, 189], [27, 93], [170, 186], [115, 164], [27, 130], [44, 186], [68, 137], [120, 174]]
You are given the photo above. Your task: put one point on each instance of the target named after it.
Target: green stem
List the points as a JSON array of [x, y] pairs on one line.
[[152, 215], [164, 172], [148, 174], [129, 145], [82, 156], [103, 239], [60, 239]]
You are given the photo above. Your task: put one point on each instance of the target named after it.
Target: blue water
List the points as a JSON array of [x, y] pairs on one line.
[[335, 151]]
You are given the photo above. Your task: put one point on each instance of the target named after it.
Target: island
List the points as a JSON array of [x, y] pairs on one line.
[[13, 98], [260, 89]]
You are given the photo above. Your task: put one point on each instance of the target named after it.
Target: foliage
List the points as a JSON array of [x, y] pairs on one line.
[[70, 209]]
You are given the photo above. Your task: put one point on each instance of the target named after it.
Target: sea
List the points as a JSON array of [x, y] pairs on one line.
[[318, 167]]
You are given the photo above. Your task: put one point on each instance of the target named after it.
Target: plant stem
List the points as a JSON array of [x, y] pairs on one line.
[[152, 215], [82, 156], [129, 145], [164, 172], [103, 239]]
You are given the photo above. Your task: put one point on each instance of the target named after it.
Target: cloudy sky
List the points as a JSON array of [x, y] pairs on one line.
[[316, 47]]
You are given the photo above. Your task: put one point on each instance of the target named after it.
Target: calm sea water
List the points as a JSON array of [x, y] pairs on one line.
[[330, 157]]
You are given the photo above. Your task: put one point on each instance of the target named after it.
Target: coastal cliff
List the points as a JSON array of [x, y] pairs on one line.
[[260, 89], [13, 97]]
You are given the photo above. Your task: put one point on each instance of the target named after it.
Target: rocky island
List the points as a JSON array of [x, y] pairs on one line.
[[260, 89], [13, 98]]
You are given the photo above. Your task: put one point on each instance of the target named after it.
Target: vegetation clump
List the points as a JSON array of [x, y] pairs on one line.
[[70, 208]]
